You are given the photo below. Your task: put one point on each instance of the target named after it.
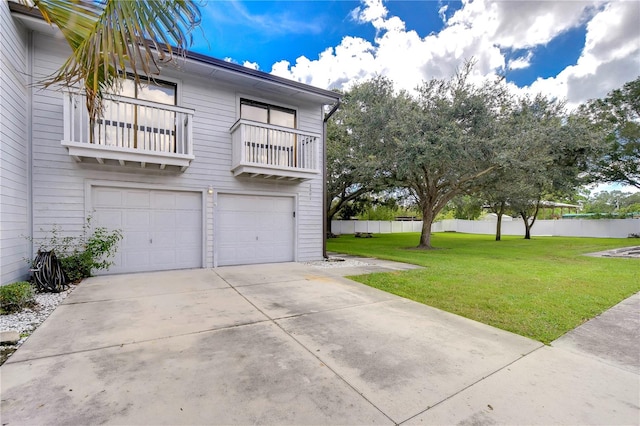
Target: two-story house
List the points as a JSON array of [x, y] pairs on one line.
[[208, 164]]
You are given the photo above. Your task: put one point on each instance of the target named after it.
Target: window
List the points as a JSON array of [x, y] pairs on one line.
[[268, 114], [269, 145], [138, 125], [158, 91]]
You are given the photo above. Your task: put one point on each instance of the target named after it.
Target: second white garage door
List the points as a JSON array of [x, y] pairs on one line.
[[162, 229], [254, 229]]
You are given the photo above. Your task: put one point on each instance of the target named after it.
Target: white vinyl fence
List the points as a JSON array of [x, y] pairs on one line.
[[600, 228], [374, 226]]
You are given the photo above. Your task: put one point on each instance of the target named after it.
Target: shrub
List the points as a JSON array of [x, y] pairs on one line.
[[14, 297], [77, 266], [81, 255]]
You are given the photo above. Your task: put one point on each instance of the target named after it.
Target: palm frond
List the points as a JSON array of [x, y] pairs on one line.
[[110, 37]]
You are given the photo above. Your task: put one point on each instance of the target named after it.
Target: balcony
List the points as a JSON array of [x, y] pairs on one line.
[[129, 132], [273, 152]]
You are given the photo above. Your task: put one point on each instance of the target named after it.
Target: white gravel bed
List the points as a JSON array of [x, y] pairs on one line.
[[29, 319], [336, 262]]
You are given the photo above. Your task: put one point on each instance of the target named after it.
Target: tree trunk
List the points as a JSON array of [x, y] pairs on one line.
[[499, 223], [527, 226], [425, 236], [329, 219]]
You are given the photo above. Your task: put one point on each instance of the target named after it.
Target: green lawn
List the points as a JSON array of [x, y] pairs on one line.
[[539, 288]]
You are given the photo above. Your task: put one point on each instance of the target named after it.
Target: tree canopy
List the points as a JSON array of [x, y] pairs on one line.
[[546, 152], [453, 138], [618, 114], [353, 169]]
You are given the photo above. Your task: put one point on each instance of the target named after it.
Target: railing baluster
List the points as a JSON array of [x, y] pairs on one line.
[[153, 134], [77, 114], [156, 131], [188, 141], [119, 127], [145, 135], [177, 117], [264, 144], [129, 124]]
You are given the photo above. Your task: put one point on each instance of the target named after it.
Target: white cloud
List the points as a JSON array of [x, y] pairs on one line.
[[484, 30], [521, 24], [373, 12], [611, 56], [351, 61], [252, 65], [442, 12], [521, 62]]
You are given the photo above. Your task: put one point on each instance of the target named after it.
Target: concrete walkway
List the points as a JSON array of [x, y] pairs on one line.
[[293, 344]]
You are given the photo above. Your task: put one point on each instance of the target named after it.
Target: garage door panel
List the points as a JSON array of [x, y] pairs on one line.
[[161, 257], [110, 219], [164, 239], [135, 199], [136, 219], [161, 229], [136, 240], [254, 229], [242, 216], [281, 207], [187, 255], [187, 219], [188, 239], [163, 201], [226, 235], [107, 197], [188, 202], [136, 258], [163, 219]]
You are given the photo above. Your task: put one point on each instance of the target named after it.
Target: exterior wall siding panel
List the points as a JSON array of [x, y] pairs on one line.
[[14, 161]]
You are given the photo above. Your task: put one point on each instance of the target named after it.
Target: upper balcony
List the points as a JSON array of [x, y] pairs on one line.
[[129, 131], [268, 151]]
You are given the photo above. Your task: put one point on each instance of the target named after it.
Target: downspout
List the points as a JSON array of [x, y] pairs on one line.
[[29, 141], [324, 178]]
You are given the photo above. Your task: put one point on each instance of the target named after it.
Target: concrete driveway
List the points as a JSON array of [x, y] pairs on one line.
[[292, 344]]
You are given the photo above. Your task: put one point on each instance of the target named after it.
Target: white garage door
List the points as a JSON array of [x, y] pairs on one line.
[[254, 229], [162, 229]]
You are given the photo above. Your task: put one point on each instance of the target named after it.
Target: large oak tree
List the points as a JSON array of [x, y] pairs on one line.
[[445, 139]]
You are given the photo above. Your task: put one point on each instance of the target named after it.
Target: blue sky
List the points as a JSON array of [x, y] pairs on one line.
[[573, 50]]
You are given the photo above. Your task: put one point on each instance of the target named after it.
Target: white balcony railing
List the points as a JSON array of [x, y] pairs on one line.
[[272, 151], [129, 130]]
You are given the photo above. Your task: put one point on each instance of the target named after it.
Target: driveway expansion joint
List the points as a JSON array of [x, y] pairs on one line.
[[459, 391], [137, 342], [339, 308], [146, 296]]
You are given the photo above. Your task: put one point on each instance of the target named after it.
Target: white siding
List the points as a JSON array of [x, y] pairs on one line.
[[60, 183], [14, 160]]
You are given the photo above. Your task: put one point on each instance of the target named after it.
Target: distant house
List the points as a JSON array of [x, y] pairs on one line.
[[209, 164]]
